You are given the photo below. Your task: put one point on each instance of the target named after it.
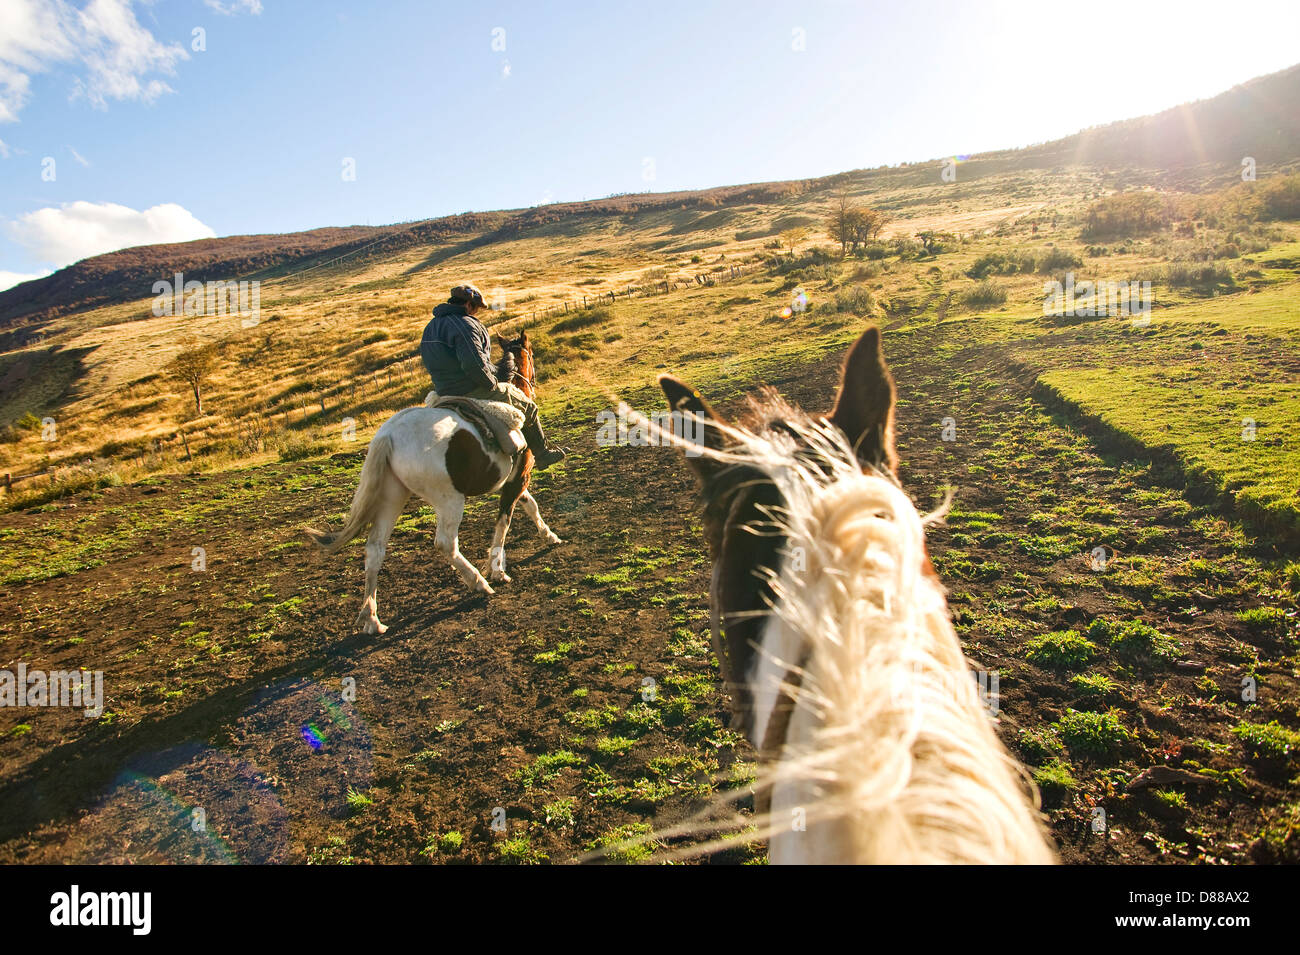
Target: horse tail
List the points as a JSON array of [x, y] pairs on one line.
[[364, 500]]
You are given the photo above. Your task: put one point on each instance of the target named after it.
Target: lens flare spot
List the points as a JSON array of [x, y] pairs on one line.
[[314, 737]]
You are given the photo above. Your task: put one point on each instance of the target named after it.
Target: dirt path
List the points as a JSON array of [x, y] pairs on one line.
[[230, 689]]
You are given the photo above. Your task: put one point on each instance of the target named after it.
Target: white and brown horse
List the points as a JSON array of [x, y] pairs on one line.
[[439, 455], [836, 644]]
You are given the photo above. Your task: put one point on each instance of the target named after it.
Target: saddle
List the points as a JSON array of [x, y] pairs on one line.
[[497, 422]]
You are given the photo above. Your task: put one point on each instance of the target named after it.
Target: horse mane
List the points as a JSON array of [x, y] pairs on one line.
[[901, 761], [507, 366]]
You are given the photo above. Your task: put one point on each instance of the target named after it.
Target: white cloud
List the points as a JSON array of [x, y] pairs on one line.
[[78, 230], [235, 6], [4, 149], [78, 157], [119, 58], [9, 279]]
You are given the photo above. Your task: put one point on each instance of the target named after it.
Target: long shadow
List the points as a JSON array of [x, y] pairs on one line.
[[71, 775], [438, 256]]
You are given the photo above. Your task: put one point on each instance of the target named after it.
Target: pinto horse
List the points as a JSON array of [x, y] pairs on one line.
[[836, 644], [440, 456]]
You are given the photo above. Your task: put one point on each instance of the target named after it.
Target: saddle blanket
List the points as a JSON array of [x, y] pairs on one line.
[[497, 422]]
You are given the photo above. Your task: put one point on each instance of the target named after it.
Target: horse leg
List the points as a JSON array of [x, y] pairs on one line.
[[450, 511], [531, 509], [392, 499], [496, 563]]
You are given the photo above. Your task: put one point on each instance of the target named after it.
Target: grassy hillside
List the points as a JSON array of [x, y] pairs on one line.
[[1165, 439]]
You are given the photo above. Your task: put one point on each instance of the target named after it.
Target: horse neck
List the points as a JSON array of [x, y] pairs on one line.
[[523, 376], [889, 755]]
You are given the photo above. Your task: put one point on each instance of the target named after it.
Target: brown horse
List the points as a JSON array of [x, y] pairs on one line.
[[836, 644], [439, 455]]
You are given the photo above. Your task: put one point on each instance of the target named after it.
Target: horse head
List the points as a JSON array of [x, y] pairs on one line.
[[517, 365]]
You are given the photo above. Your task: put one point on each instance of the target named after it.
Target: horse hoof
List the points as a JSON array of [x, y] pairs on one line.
[[484, 588], [501, 578], [374, 627], [552, 539]]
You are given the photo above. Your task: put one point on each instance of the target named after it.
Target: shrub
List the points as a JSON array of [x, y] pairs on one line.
[[1205, 278], [1125, 214], [985, 295], [854, 299], [297, 447], [1280, 198], [1058, 259]]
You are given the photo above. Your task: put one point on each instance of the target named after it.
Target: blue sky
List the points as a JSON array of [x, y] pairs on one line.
[[154, 140]]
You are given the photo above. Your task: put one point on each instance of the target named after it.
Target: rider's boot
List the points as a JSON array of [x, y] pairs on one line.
[[543, 455]]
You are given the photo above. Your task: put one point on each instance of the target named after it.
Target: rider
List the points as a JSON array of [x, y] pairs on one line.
[[457, 351]]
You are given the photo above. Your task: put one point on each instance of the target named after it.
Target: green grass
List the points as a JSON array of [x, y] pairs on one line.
[[1200, 410], [358, 801], [1054, 777], [1096, 685], [1135, 640], [1264, 621], [1269, 740], [520, 851], [1096, 734], [1062, 649], [560, 813], [611, 844], [547, 767]]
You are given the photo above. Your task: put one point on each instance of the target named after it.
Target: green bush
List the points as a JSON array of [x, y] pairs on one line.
[[1001, 263], [856, 300], [985, 295], [1125, 214], [1280, 198], [1058, 259], [1204, 278]]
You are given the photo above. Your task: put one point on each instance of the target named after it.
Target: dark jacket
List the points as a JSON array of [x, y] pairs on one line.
[[457, 350]]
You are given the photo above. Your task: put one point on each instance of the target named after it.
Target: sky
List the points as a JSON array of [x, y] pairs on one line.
[[126, 122]]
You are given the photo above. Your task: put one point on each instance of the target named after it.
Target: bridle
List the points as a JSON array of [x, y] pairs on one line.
[[531, 378]]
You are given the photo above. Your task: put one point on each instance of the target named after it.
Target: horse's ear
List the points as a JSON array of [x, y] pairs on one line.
[[683, 398], [864, 407], [523, 339]]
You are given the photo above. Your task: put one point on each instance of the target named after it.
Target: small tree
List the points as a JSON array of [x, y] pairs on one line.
[[851, 225], [193, 366], [864, 225], [839, 224], [792, 237]]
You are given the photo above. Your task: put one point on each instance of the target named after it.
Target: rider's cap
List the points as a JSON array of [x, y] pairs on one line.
[[467, 295]]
